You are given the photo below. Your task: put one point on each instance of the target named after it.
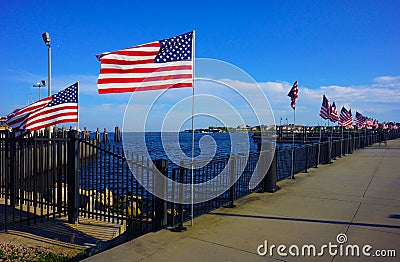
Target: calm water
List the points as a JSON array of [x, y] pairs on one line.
[[179, 145]]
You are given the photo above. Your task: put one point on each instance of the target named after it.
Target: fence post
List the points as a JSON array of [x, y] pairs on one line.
[[13, 155], [318, 154], [329, 151], [160, 219], [269, 181], [105, 136], [306, 167], [117, 134], [293, 162], [180, 226], [232, 177], [73, 175]]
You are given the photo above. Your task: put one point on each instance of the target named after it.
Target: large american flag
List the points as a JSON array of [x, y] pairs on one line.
[[325, 108], [333, 113], [293, 94], [345, 118], [360, 120], [161, 64], [58, 108]]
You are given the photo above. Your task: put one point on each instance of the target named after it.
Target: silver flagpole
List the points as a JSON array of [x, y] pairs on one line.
[[319, 144], [294, 124], [191, 166], [78, 103], [341, 144]]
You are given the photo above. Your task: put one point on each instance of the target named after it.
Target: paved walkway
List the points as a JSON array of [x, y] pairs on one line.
[[358, 195]]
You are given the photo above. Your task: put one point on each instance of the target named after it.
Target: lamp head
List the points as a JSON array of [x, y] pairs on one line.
[[43, 82], [46, 38]]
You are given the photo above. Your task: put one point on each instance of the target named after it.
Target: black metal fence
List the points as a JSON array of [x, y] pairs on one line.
[[43, 178], [33, 171], [67, 175]]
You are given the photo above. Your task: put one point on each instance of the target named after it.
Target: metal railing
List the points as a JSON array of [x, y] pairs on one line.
[[67, 175]]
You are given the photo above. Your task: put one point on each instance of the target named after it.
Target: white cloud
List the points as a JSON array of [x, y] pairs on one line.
[[387, 80], [378, 99]]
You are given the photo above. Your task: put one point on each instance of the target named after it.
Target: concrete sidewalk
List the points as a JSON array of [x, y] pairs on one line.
[[358, 195]]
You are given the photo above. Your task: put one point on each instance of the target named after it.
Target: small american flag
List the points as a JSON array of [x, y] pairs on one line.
[[376, 124], [58, 108], [333, 113], [325, 112], [368, 122], [360, 120], [293, 94], [345, 118], [157, 65]]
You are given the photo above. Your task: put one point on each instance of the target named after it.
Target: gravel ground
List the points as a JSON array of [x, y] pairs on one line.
[[13, 252]]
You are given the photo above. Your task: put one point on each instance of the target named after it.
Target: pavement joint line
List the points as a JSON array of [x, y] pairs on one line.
[[354, 216], [328, 198], [238, 249], [376, 169], [310, 220], [365, 199], [156, 251], [378, 230]]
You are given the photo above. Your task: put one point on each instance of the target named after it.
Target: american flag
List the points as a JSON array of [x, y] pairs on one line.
[[368, 122], [58, 108], [345, 118], [324, 112], [360, 120], [376, 124], [293, 94], [157, 65], [333, 113]]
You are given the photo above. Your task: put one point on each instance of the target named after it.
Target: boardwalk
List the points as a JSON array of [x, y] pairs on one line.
[[357, 195]]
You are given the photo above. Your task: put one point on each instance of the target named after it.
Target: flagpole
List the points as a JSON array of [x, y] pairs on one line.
[[294, 124], [78, 103], [319, 144], [341, 144], [191, 166]]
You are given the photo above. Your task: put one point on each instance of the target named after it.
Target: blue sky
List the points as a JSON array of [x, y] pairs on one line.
[[347, 50]]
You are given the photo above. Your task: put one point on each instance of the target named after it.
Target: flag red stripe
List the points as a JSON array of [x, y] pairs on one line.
[[55, 122], [143, 70], [54, 117], [133, 89], [125, 62], [50, 110], [136, 53], [34, 106], [140, 80]]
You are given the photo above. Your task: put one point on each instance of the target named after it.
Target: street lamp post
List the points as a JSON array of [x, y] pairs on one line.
[[46, 40], [39, 85]]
